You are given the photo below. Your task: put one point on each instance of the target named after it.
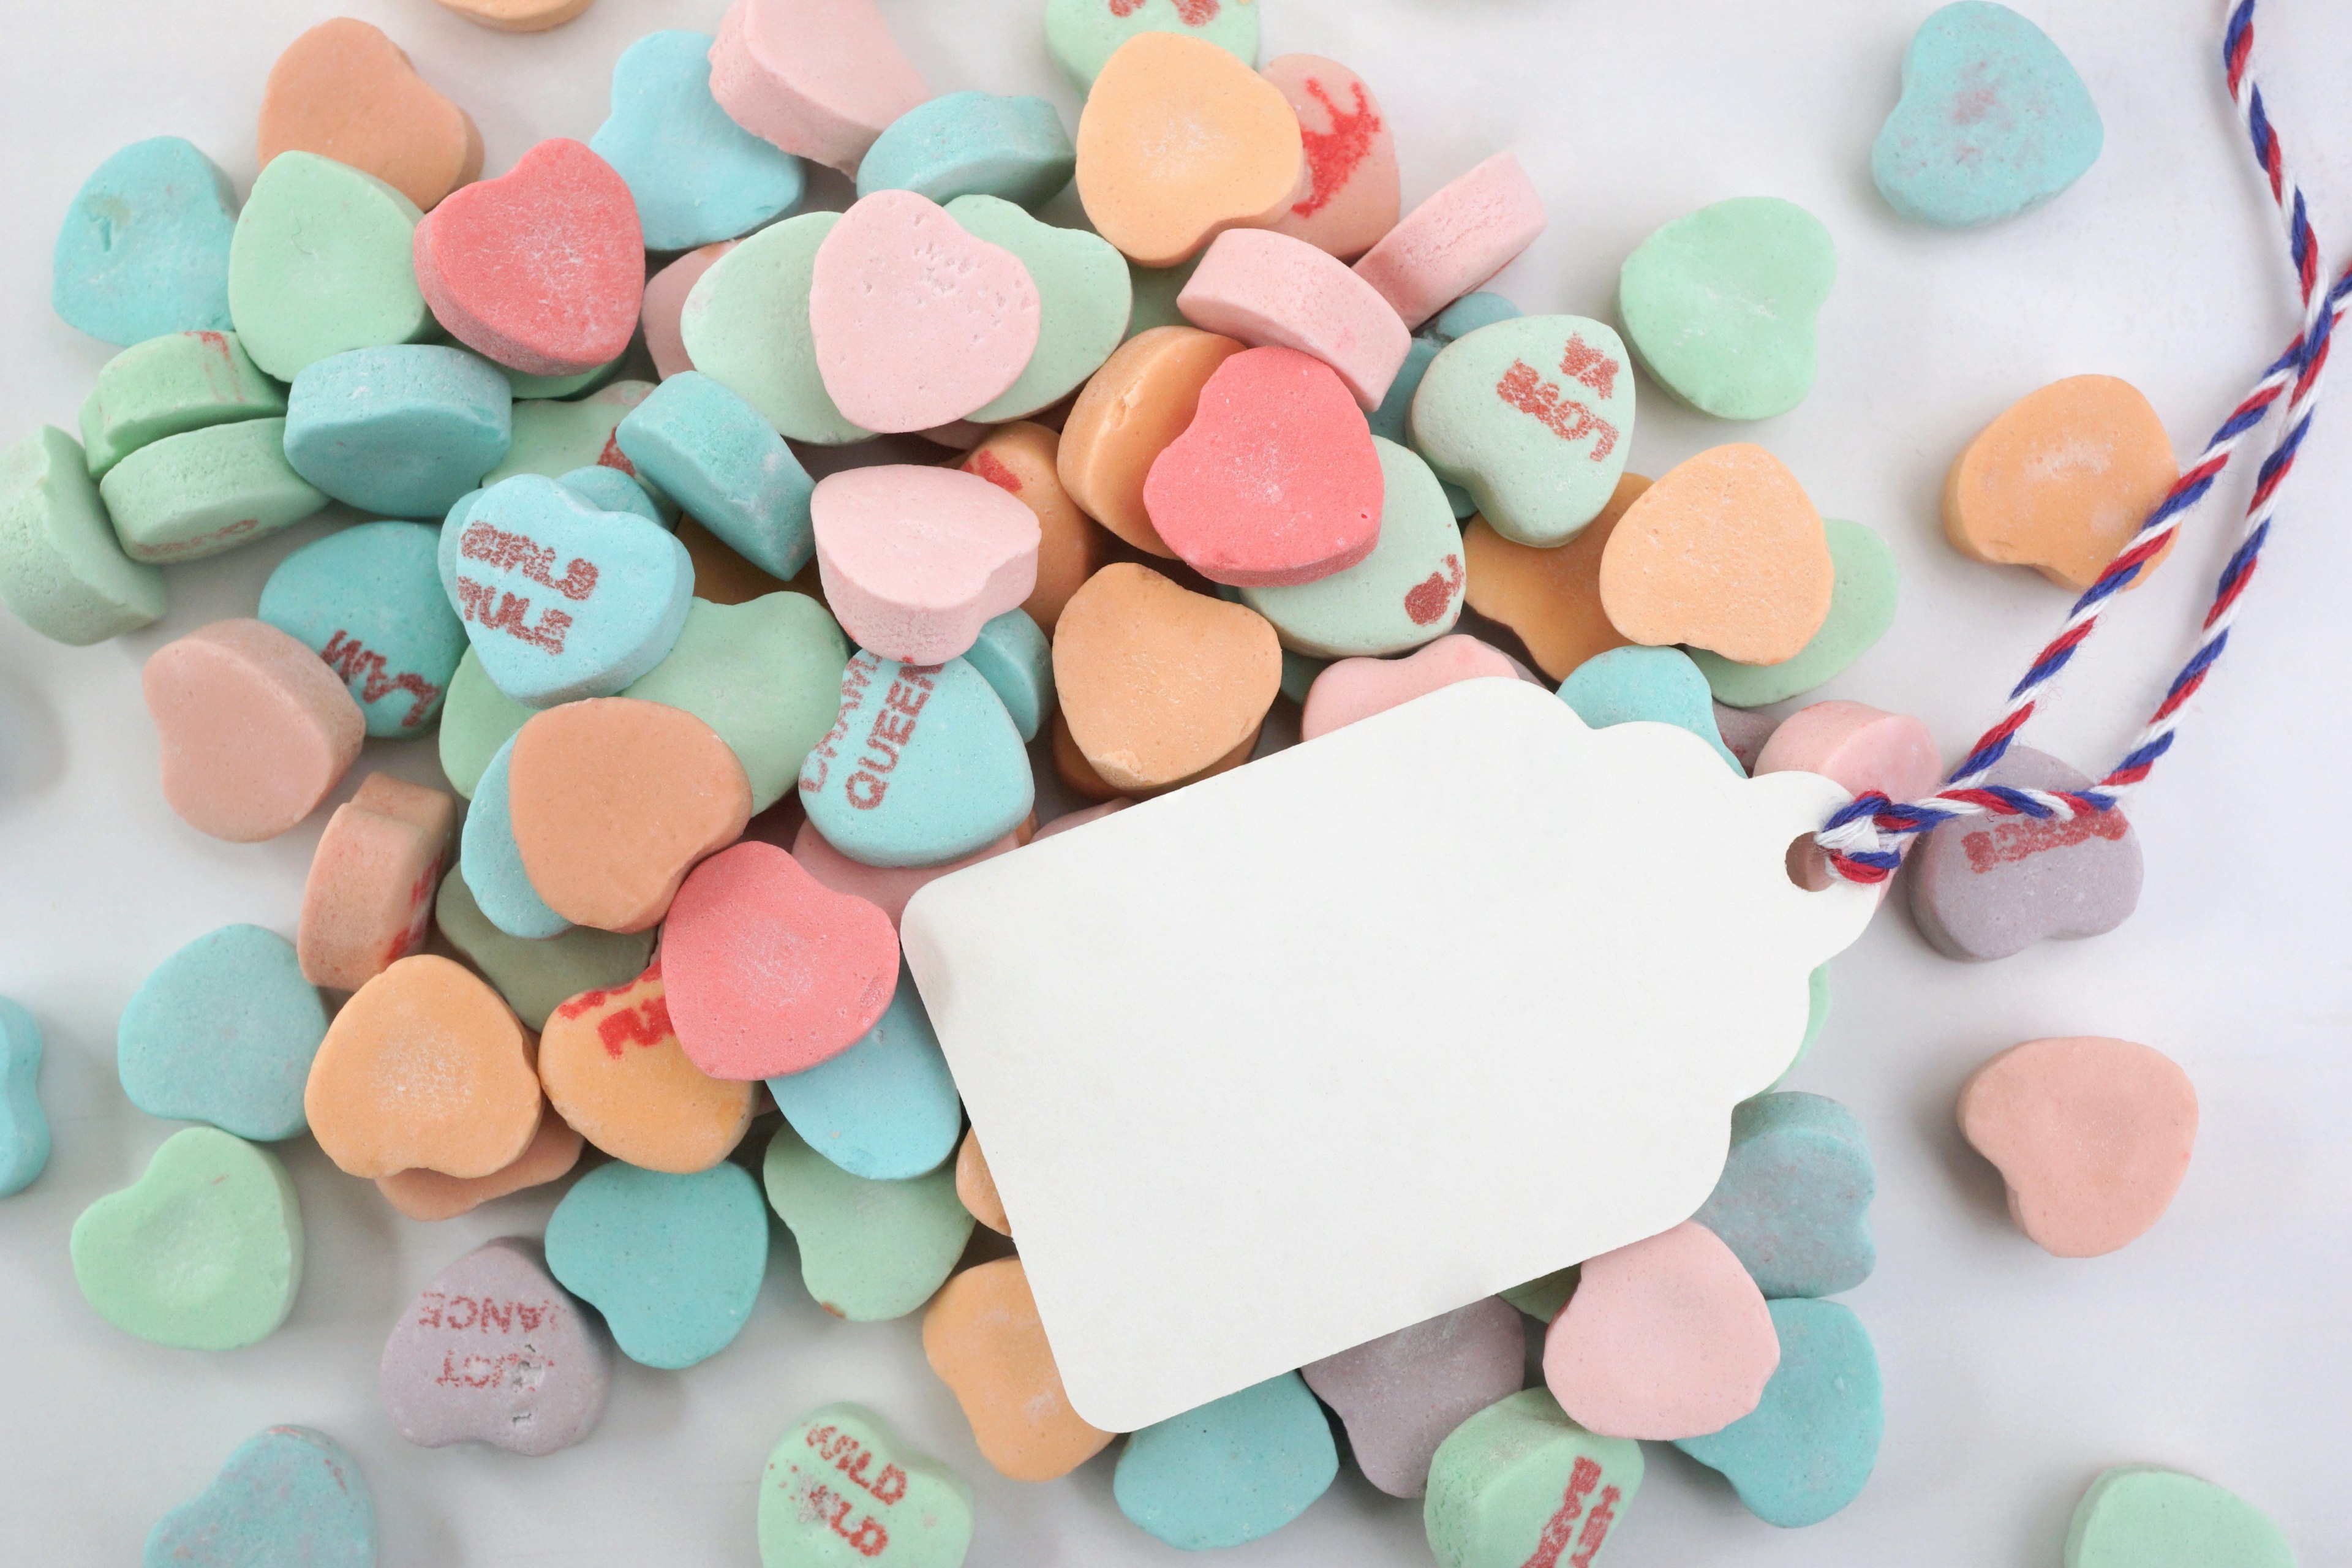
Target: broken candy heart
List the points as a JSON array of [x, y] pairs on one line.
[[345, 91], [204, 1251], [916, 560], [1233, 1470], [1401, 1395], [1719, 305], [842, 1488], [982, 1338], [1656, 685], [1862, 608], [493, 1350], [1794, 1202], [1356, 689], [1407, 592], [674, 1263], [1520, 1484], [870, 1251], [2092, 1137], [2141, 1516], [1812, 1441], [289, 1495]]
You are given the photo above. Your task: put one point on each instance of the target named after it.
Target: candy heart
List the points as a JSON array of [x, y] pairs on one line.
[[844, 1463], [1160, 684], [821, 78], [552, 437], [1794, 1202], [516, 15], [976, 1187], [764, 675], [1357, 688], [204, 1251], [917, 322], [1859, 747], [1667, 1338], [403, 430], [982, 1338], [1142, 399], [923, 764], [23, 1129], [492, 861], [870, 1250], [1020, 460], [1520, 1483], [2141, 1516], [674, 1263], [1456, 241], [541, 269], [1179, 141], [425, 1066], [1407, 592], [1533, 416], [612, 1067], [368, 600], [1993, 121], [745, 324], [695, 175], [1083, 35], [1084, 300], [2092, 1137], [1401, 1395], [255, 729], [191, 496], [1014, 657], [322, 262], [561, 601], [1469, 313], [2061, 481], [345, 91], [1862, 608], [367, 901], [145, 247], [1351, 164], [1273, 290], [429, 1195], [1655, 685], [493, 1350], [767, 970], [536, 976], [1275, 482], [289, 1495], [725, 465], [223, 1031], [886, 888], [1233, 1470], [63, 571], [885, 1109], [666, 296], [1719, 305], [1725, 552], [915, 560], [1988, 887], [1550, 597], [1810, 1447], [973, 143]]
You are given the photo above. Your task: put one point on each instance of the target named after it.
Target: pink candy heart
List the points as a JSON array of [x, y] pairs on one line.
[[1356, 689], [915, 561]]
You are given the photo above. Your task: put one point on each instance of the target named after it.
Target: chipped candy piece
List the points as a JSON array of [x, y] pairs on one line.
[[1232, 1471], [842, 1488], [1520, 1483], [714, 454], [1356, 689], [1456, 241], [402, 431], [1017, 661], [368, 600], [368, 900], [63, 571], [674, 1263], [658, 318], [322, 262], [1407, 592], [2143, 1515], [886, 888], [1862, 608], [168, 386], [973, 144], [1351, 198], [1655, 685], [1810, 1445], [493, 1351], [982, 1338], [255, 729], [1270, 290], [23, 1127], [916, 560], [1021, 459], [1550, 597], [1085, 301], [290, 1494], [2091, 1135], [1719, 305], [1401, 1395], [885, 1109], [345, 91], [203, 1252], [820, 78], [429, 1196], [745, 324], [188, 496], [870, 1250], [765, 674], [695, 175], [1794, 1202], [1140, 402], [1083, 35], [536, 976], [145, 247], [611, 1067], [975, 1186]]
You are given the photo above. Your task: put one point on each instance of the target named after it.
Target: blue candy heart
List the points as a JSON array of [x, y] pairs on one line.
[[672, 1262], [24, 1130], [696, 175], [973, 144], [492, 861], [1806, 1450], [368, 600], [885, 1109], [725, 463], [1795, 1200], [223, 1031], [1017, 661], [1234, 1469], [403, 430], [145, 249], [1660, 685], [290, 1496]]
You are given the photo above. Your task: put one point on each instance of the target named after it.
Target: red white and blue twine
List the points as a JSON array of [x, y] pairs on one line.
[[1864, 841]]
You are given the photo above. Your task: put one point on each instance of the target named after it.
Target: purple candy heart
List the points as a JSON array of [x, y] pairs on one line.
[[1401, 1395]]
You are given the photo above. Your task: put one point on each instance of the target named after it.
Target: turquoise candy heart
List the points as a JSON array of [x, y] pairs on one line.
[[696, 176], [609, 489], [973, 144], [401, 430], [288, 1499], [746, 325], [145, 249], [1233, 1470], [1407, 592], [765, 674], [476, 718], [1469, 313], [1719, 305], [23, 1129], [561, 601], [2140, 1516], [870, 1251], [885, 1109], [223, 1031], [1390, 420], [725, 465], [1795, 1200], [537, 977], [492, 861], [672, 1262], [369, 600], [1806, 1450], [923, 765], [1084, 301], [1993, 119], [1660, 685], [1862, 608], [1017, 661], [1532, 416], [1082, 35], [204, 1251]]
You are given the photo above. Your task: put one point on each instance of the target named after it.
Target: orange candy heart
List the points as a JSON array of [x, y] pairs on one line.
[[429, 1195], [981, 1336], [345, 91], [1024, 459], [1550, 597], [613, 1067], [1132, 409]]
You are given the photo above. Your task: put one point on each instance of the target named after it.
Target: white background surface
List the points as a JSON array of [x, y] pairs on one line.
[[2216, 1343]]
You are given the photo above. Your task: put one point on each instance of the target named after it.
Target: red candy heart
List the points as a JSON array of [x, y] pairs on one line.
[[1276, 481], [768, 971], [543, 268]]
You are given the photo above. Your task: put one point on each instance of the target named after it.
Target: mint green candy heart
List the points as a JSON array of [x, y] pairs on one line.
[[2138, 1516], [168, 386], [1532, 416], [190, 496], [1407, 592], [323, 262], [844, 1490], [764, 674], [1817, 1018], [1083, 35], [1154, 289], [62, 567], [746, 326], [1520, 1483], [1720, 306], [552, 437], [870, 1250], [205, 1251], [537, 976], [1541, 1299], [1862, 608], [477, 719], [1084, 301]]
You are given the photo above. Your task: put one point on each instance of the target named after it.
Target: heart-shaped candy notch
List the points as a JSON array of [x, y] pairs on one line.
[[289, 1495], [204, 1251], [493, 1350], [842, 1488], [917, 322], [916, 560], [1401, 1395], [1794, 1201], [1719, 305], [345, 91], [2141, 1516], [543, 269]]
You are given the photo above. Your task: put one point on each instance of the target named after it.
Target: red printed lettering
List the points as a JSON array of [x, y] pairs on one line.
[[1192, 13], [1584, 364], [1560, 1530], [854, 680], [1426, 602], [989, 466], [1524, 389], [1333, 155], [2021, 838], [1596, 1529], [646, 1024], [351, 660], [511, 615]]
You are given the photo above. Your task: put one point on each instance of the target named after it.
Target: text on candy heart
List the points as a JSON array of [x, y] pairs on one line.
[[1524, 388], [893, 728], [1559, 1530], [505, 551], [852, 1459], [351, 659]]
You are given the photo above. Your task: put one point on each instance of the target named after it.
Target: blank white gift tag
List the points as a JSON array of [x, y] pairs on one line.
[[1368, 1029]]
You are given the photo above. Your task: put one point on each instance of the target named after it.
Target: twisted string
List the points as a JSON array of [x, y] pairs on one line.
[[1864, 840]]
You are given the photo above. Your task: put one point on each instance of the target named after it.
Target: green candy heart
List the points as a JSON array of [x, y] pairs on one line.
[[537, 976], [168, 386], [870, 1250], [1083, 35], [1862, 607], [62, 566], [764, 674], [842, 1490], [552, 437], [205, 1251], [476, 718], [1720, 306], [323, 261], [2137, 1516], [746, 326], [1154, 289], [1084, 301], [1407, 592], [1520, 1483]]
